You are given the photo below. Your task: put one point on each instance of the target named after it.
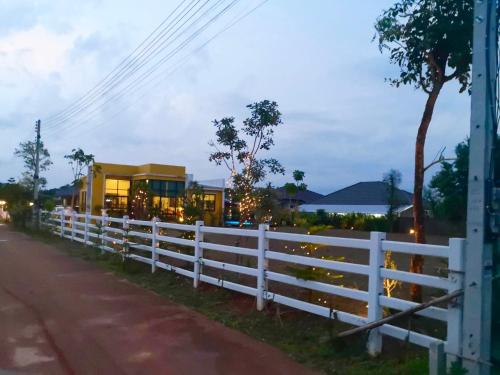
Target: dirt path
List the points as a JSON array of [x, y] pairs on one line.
[[60, 315]]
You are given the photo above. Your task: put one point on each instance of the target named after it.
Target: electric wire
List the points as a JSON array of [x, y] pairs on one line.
[[118, 78], [124, 61], [162, 77], [132, 85]]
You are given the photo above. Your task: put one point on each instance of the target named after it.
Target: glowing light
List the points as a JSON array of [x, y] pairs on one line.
[[3, 203], [412, 231]]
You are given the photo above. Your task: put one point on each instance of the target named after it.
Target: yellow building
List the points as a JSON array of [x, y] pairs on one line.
[[120, 189]]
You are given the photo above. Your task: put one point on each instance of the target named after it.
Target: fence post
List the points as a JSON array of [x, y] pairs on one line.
[[86, 233], [73, 226], [262, 246], [437, 362], [154, 255], [375, 289], [456, 267], [62, 223], [198, 252], [126, 226], [104, 224]]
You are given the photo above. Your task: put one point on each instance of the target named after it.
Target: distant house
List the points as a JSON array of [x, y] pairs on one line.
[[302, 197], [364, 197]]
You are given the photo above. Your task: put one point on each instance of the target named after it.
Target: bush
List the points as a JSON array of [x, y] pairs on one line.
[[352, 221], [20, 214]]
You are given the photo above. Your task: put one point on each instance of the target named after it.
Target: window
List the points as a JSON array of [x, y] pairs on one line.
[[209, 202], [117, 187], [116, 194], [173, 189], [169, 207]]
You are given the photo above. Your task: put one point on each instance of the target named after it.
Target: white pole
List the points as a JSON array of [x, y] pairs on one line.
[[73, 226], [104, 224], [62, 222], [375, 289], [477, 317], [198, 252], [456, 265], [262, 246], [154, 233], [86, 230]]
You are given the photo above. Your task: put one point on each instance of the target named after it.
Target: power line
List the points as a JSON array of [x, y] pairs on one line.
[[115, 79], [132, 85], [163, 75], [124, 61]]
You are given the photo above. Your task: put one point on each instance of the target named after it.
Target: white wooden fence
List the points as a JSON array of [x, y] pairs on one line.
[[108, 232]]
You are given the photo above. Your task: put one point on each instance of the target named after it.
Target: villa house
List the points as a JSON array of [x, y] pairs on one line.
[[369, 198], [111, 187]]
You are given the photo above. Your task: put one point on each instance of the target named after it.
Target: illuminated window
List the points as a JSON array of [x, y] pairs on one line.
[[209, 202], [116, 194], [117, 187]]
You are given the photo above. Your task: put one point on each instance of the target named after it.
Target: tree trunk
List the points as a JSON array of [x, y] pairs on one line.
[[417, 261]]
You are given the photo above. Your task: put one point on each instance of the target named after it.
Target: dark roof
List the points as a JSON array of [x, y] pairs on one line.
[[365, 193], [305, 196]]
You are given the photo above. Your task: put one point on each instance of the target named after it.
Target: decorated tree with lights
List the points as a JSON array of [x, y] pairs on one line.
[[140, 207], [238, 150]]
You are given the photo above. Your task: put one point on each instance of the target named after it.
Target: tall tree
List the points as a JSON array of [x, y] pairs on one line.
[[238, 150], [79, 162], [27, 152], [426, 39], [393, 180]]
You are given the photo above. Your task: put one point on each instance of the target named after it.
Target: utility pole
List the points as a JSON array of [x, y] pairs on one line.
[[36, 178], [482, 222]]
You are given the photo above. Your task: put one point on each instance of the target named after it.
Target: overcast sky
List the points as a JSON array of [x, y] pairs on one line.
[[342, 123]]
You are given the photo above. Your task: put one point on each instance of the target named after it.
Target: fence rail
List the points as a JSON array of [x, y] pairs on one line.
[[107, 233]]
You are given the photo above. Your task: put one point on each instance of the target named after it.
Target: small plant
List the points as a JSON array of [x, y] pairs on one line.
[[390, 284]]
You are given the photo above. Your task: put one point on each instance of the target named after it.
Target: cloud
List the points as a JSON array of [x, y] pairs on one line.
[[342, 122]]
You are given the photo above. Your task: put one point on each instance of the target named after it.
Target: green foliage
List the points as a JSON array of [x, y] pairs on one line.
[[194, 203], [78, 161], [447, 194], [27, 152], [351, 221], [20, 214], [49, 204], [424, 37], [239, 155], [17, 196]]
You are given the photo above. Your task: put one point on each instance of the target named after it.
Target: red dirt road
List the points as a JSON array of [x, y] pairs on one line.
[[60, 315]]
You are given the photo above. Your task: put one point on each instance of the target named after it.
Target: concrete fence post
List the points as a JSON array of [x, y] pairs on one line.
[[262, 246], [62, 223], [198, 253], [154, 241], [73, 226], [456, 267], [104, 224], [86, 230], [437, 359], [375, 289], [126, 227]]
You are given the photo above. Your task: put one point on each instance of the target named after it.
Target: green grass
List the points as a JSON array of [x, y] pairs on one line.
[[307, 339]]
